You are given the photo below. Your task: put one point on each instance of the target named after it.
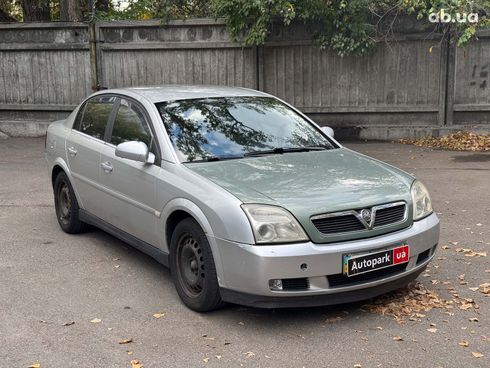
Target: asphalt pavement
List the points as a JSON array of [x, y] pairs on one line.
[[75, 301]]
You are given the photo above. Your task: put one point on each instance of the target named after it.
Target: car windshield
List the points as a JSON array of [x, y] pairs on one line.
[[234, 127]]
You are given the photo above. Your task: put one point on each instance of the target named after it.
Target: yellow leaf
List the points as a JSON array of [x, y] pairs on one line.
[[432, 330], [464, 343], [158, 315], [485, 288], [205, 360], [35, 365], [125, 341], [69, 323], [430, 49], [249, 354], [136, 364], [96, 320], [398, 338], [476, 354]]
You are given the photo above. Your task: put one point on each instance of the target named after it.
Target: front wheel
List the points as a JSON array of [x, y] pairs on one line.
[[192, 267]]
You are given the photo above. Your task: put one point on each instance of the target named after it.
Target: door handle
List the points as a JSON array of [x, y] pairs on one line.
[[106, 166], [72, 151]]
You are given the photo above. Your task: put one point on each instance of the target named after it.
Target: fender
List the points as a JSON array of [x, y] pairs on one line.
[[184, 204]]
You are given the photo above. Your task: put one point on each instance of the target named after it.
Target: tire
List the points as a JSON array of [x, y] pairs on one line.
[[192, 267], [66, 206]]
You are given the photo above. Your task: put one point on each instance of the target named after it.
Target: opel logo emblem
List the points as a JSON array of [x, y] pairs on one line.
[[366, 215]]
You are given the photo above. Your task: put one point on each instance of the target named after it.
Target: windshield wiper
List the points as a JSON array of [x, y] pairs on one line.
[[215, 158], [281, 150]]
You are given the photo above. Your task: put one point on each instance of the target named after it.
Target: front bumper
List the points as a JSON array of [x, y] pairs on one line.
[[246, 269]]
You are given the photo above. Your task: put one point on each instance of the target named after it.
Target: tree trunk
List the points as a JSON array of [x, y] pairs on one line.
[[36, 10], [70, 10], [102, 5]]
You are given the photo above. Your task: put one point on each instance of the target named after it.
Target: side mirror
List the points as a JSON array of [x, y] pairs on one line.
[[328, 131], [136, 151]]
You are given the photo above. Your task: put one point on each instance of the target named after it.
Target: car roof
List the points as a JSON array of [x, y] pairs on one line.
[[182, 92]]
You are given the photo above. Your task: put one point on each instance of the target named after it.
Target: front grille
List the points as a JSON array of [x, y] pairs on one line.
[[349, 221], [389, 215], [340, 279], [301, 283], [338, 224]]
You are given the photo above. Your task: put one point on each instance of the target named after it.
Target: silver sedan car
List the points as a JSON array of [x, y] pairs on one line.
[[244, 197]]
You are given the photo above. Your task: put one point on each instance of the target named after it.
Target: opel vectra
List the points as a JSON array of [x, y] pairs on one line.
[[244, 197]]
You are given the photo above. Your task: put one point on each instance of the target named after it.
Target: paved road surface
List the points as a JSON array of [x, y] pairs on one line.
[[48, 278]]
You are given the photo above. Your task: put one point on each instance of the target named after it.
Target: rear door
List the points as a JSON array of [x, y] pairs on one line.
[[131, 185], [83, 147]]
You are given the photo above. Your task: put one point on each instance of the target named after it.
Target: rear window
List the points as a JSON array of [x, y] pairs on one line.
[[95, 116]]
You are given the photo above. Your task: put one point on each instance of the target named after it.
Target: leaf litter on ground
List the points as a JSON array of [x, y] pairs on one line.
[[459, 141], [407, 303]]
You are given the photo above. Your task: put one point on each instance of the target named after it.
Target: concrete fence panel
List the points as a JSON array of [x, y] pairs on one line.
[[190, 52], [44, 73]]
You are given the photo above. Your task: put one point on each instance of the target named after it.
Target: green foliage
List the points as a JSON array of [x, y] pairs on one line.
[[346, 26], [153, 9]]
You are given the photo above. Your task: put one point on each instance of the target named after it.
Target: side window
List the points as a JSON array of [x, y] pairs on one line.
[[130, 125], [95, 116]]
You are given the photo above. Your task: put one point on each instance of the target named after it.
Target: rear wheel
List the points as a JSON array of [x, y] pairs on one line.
[[192, 267], [66, 205]]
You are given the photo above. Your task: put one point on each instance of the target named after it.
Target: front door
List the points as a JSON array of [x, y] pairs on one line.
[[131, 185]]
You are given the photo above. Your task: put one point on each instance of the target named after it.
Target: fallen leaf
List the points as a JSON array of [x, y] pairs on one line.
[[357, 366], [474, 288], [485, 288], [205, 360], [136, 364], [69, 323], [241, 323], [334, 319], [125, 341], [473, 319], [464, 343], [476, 354], [432, 330], [398, 338], [218, 357], [249, 354], [35, 365], [96, 320], [446, 247], [158, 315]]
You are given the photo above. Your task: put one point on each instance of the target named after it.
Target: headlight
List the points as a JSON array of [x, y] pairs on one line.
[[272, 224], [422, 205]]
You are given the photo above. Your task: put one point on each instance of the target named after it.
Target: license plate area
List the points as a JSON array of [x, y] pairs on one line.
[[357, 264]]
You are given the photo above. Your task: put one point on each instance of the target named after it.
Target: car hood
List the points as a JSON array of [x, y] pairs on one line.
[[310, 183]]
